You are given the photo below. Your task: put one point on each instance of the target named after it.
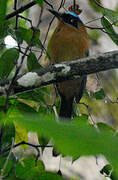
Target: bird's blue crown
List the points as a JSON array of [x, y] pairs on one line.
[[74, 15]]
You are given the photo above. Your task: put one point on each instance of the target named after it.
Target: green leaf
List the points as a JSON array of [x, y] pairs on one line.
[[8, 166], [8, 130], [105, 127], [3, 8], [99, 94], [83, 119], [12, 176], [2, 101], [29, 169], [20, 134], [110, 30], [94, 35], [36, 40], [43, 141], [94, 6], [69, 138], [111, 15], [107, 170], [35, 105], [32, 62], [36, 95], [40, 2], [31, 36], [86, 94], [7, 62], [50, 176], [23, 34]]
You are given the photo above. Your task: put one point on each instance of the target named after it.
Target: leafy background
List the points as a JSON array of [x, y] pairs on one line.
[[33, 111]]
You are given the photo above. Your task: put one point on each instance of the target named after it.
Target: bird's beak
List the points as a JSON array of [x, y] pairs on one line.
[[55, 13]]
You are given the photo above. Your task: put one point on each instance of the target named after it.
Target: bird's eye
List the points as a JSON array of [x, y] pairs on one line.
[[72, 20]]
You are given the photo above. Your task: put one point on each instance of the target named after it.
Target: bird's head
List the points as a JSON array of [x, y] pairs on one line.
[[69, 17]]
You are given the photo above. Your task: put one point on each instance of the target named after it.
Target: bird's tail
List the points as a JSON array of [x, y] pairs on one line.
[[66, 108]]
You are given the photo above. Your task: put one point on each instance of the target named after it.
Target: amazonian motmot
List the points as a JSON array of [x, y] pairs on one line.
[[69, 42]]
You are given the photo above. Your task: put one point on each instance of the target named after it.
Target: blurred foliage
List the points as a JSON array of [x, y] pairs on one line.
[[33, 111], [94, 35], [94, 6]]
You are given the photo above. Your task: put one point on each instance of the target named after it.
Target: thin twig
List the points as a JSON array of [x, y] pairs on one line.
[[1, 136], [101, 84], [24, 8], [98, 4], [74, 4], [89, 114], [22, 17], [35, 50], [40, 16], [20, 10], [15, 8], [95, 19], [55, 112], [24, 143]]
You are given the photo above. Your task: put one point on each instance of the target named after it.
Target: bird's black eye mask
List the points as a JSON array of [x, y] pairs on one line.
[[71, 15], [70, 18]]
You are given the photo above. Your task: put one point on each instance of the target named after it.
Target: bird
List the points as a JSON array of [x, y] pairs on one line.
[[68, 42]]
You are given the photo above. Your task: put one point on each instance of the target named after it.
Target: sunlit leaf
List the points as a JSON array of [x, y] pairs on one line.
[[30, 103], [20, 134]]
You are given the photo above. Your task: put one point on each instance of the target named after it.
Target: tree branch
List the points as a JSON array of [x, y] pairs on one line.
[[24, 8], [61, 72], [20, 10]]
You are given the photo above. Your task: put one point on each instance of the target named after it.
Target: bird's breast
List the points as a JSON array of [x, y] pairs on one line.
[[68, 43]]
